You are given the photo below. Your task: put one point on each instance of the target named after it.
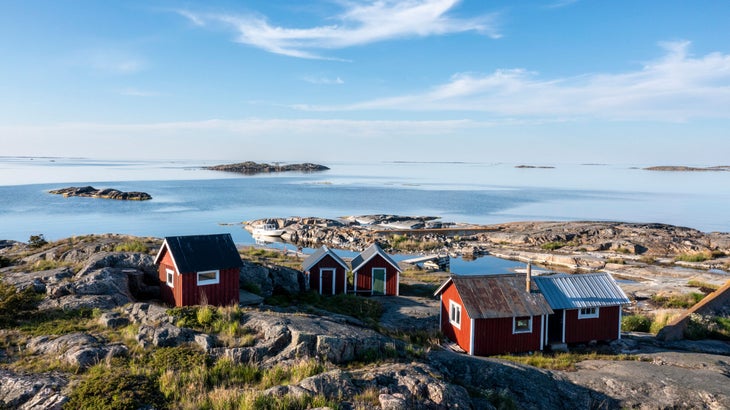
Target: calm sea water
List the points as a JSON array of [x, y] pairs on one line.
[[189, 200]]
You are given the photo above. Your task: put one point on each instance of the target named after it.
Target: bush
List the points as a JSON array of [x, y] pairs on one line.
[[37, 241], [635, 323], [684, 301], [132, 246], [114, 387], [14, 303]]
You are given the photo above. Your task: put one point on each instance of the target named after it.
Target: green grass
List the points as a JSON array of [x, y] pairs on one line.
[[132, 246], [47, 264], [408, 244], [551, 246], [113, 387], [270, 257], [636, 323], [58, 322], [684, 301], [703, 286], [16, 304], [693, 257], [562, 361], [224, 322]]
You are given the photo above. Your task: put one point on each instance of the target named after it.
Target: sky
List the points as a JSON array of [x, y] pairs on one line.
[[540, 82]]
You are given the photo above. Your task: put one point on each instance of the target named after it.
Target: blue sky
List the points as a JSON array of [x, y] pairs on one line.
[[554, 81]]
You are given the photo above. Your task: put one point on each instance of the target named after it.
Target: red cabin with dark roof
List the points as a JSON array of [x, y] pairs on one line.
[[325, 272], [375, 273], [199, 269], [492, 314]]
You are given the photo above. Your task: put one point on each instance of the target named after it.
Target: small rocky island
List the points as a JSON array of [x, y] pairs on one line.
[[250, 167], [682, 168], [106, 193]]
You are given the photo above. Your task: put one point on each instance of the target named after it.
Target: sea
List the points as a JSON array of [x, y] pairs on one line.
[[188, 199]]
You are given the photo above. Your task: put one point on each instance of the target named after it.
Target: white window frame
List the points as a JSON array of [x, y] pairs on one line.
[[455, 307], [588, 313], [170, 277], [514, 325], [208, 281]]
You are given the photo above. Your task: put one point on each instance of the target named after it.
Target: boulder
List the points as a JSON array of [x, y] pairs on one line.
[[76, 349], [32, 391]]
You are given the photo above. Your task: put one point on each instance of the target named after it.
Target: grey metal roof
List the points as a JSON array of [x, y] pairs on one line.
[[195, 253], [497, 296], [317, 256], [368, 254], [580, 290]]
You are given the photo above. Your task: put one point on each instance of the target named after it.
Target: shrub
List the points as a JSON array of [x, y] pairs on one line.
[[14, 303], [132, 246], [179, 358], [113, 387], [635, 323], [551, 246], [684, 301], [37, 241], [693, 257], [4, 262]]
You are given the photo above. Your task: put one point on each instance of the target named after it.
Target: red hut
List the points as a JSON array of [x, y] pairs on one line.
[[492, 314], [375, 273], [587, 307], [325, 272], [199, 269]]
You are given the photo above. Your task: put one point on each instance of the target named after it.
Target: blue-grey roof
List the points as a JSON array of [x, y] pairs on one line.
[[317, 256], [195, 253], [368, 254], [580, 290]]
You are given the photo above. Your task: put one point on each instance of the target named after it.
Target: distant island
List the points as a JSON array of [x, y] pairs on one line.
[[534, 167], [250, 167], [107, 193], [682, 168]]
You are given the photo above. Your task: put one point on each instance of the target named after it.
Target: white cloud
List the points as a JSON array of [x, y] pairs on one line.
[[324, 80], [676, 87], [360, 23]]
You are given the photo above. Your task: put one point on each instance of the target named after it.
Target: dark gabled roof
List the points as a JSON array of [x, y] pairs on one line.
[[580, 290], [317, 256], [365, 256], [195, 253], [496, 296]]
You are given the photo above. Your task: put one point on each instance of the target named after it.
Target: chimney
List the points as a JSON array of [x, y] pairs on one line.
[[528, 277]]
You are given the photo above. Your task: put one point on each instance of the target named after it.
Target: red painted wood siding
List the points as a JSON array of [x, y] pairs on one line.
[[340, 273], [186, 291], [460, 336], [494, 336], [365, 276], [604, 327]]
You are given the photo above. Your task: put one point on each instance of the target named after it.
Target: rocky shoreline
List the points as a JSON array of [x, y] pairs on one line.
[[250, 167], [114, 319], [107, 193]]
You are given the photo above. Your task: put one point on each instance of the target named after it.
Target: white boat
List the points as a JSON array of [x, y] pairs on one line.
[[267, 230]]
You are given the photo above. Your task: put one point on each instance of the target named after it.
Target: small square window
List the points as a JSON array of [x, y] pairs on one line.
[[170, 274], [588, 313], [522, 324], [208, 277]]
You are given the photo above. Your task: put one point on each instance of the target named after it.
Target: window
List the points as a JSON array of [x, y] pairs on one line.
[[522, 324], [208, 277], [455, 314], [170, 277], [588, 313]]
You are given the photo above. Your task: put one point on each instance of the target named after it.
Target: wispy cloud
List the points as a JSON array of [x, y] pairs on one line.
[[112, 62], [675, 87], [360, 22], [324, 80]]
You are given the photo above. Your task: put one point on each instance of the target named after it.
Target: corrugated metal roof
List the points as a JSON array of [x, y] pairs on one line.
[[195, 253], [581, 290], [368, 254], [496, 296], [317, 256]]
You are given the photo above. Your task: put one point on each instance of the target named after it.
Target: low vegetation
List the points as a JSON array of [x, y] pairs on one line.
[[132, 246], [367, 310], [270, 257], [700, 256], [551, 246], [563, 361], [405, 243], [15, 304], [224, 322], [683, 301], [707, 327], [636, 323], [703, 286]]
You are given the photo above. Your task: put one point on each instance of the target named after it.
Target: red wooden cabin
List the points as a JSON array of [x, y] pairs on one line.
[[587, 307], [492, 314], [325, 272], [199, 269], [375, 273]]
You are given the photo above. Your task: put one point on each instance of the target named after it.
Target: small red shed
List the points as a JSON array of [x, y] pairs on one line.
[[375, 273], [587, 307], [199, 269], [492, 314], [325, 272]]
